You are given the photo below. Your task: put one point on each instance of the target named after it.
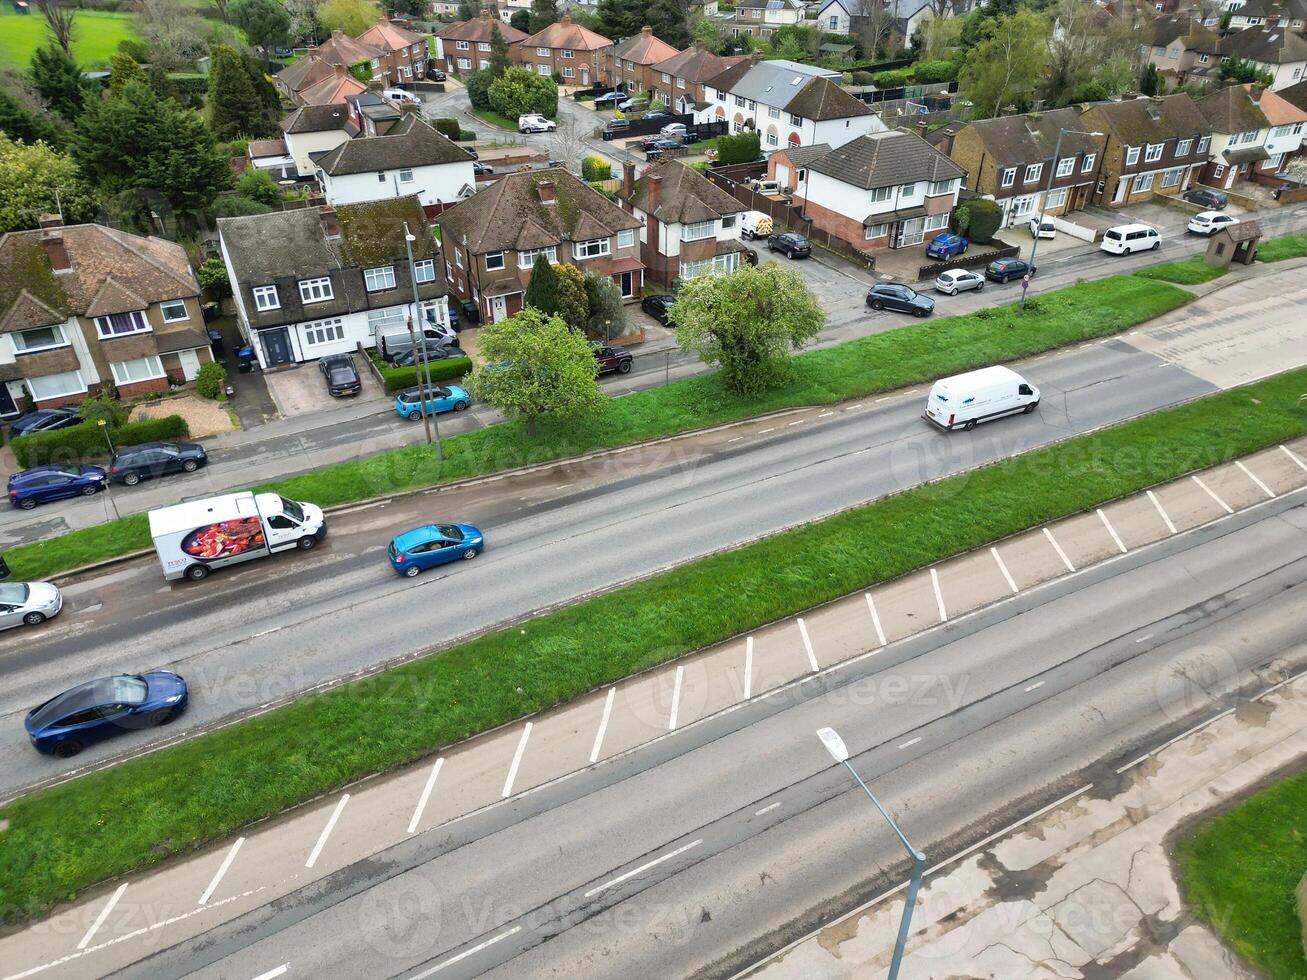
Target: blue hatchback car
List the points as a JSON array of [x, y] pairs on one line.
[[432, 545], [41, 484], [99, 709], [946, 246], [440, 398]]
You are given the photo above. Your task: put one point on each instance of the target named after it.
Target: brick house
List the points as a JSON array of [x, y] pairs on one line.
[[629, 64], [465, 46], [1153, 144], [334, 87], [492, 239], [1239, 132], [679, 81], [574, 52], [86, 306], [402, 54], [689, 226]]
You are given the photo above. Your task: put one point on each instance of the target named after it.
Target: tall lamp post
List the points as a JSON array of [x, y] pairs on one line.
[[104, 427], [1043, 198], [424, 364], [835, 746]]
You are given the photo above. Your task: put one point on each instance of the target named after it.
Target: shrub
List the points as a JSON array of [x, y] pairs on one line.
[[892, 79], [986, 217], [934, 71], [447, 127], [209, 382], [738, 148], [466, 135], [399, 378], [103, 406], [478, 89], [87, 441], [862, 78], [596, 168]]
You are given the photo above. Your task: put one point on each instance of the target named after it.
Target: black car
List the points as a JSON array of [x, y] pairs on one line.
[[658, 306], [795, 246], [1004, 270], [44, 420], [408, 358], [482, 168], [471, 152], [649, 142], [132, 464], [342, 377], [661, 146], [1207, 198], [751, 256], [896, 296], [435, 74], [655, 114], [612, 359]]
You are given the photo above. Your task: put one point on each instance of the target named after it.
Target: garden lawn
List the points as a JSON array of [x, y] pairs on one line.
[[1186, 272], [495, 119], [1240, 870], [917, 352], [115, 821], [96, 34], [1284, 247]]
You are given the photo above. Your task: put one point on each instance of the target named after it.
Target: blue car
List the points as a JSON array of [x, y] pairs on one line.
[[946, 246], [41, 484], [99, 709], [440, 398], [432, 545]]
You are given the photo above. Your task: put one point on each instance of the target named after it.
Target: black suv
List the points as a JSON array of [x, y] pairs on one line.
[[896, 296], [342, 377], [795, 246], [132, 464], [1207, 198], [657, 307]]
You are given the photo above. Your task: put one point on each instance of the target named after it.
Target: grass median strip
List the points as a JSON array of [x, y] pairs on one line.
[[1186, 272], [1284, 247], [896, 358], [63, 839]]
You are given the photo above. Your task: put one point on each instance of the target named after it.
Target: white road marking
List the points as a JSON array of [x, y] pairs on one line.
[[466, 953], [1037, 684], [1166, 519], [795, 422], [426, 795], [603, 725], [736, 439], [910, 742], [222, 870], [748, 668], [255, 636], [676, 698], [807, 644], [273, 973], [1253, 476], [824, 414], [875, 619], [1144, 638], [1208, 490], [326, 832], [852, 407], [1002, 567], [517, 761], [1111, 530], [1290, 453], [765, 431], [635, 871], [939, 596], [104, 914], [1058, 548], [884, 398], [766, 809]]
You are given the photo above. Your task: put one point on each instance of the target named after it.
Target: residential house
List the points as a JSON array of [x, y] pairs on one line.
[[442, 8], [1279, 52], [372, 115], [629, 64], [1153, 144], [323, 280], [762, 18], [402, 54], [410, 159], [464, 46], [1180, 46], [1239, 130], [271, 156], [1010, 159], [84, 307], [334, 89], [856, 17], [888, 189], [1288, 14], [689, 226], [1288, 130], [313, 130], [341, 49], [492, 239], [679, 80], [575, 53]]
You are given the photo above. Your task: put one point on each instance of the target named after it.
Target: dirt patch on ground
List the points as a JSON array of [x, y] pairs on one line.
[[204, 417]]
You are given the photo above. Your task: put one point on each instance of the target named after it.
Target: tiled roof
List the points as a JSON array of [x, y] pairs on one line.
[[801, 156], [341, 49], [1269, 45], [1151, 120], [644, 48], [885, 159], [315, 119], [266, 148], [1032, 136], [1278, 110], [1186, 28], [309, 70], [685, 195], [1295, 94], [411, 143], [696, 64], [332, 91], [567, 34], [479, 29], [1231, 110], [821, 99], [390, 37], [1273, 9]]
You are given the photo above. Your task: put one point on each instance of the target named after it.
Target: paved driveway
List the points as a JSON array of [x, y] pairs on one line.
[[302, 390]]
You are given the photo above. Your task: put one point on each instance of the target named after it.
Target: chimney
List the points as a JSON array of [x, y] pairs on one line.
[[646, 31], [1255, 90], [51, 221], [316, 200], [946, 144], [922, 128], [565, 19], [698, 46], [546, 190], [655, 185], [485, 14], [55, 249], [628, 177], [340, 69], [330, 226]]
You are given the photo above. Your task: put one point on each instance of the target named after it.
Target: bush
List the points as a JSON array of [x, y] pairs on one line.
[[739, 148], [466, 136], [209, 382], [926, 72], [103, 406], [862, 78], [897, 78], [979, 219], [596, 168], [86, 441], [447, 127], [399, 378], [517, 92], [258, 185], [478, 89]]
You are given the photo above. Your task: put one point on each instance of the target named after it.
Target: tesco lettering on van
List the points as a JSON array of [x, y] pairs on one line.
[[965, 400]]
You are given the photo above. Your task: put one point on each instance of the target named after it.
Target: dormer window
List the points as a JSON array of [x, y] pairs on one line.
[[1131, 155], [121, 324], [1009, 177], [592, 249], [265, 298], [1065, 166], [1154, 153], [382, 277], [316, 290], [1033, 171]]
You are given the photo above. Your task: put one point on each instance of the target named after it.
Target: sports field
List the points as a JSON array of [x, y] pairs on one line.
[[96, 34]]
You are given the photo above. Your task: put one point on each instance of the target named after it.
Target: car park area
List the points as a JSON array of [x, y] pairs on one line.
[[303, 389]]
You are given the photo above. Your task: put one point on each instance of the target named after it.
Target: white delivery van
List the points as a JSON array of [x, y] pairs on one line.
[[195, 537], [755, 224], [1125, 239], [964, 400]]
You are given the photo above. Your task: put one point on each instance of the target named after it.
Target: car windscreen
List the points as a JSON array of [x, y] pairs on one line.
[[292, 510], [449, 532], [1114, 235], [14, 593], [341, 375], [122, 689]]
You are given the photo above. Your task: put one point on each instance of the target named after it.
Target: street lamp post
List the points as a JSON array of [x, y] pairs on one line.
[[1043, 199], [104, 427], [835, 746], [424, 364]]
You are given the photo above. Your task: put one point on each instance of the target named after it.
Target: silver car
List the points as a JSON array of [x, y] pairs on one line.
[[28, 603], [954, 281]]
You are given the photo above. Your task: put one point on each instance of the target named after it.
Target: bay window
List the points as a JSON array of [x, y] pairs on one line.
[[39, 338], [56, 385], [138, 369], [698, 230], [591, 249]]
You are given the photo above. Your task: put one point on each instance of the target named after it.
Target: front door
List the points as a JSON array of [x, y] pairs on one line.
[[585, 76], [498, 309], [276, 346], [7, 406], [190, 364], [628, 284]]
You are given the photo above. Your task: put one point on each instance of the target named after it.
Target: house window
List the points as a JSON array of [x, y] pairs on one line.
[[406, 175], [1088, 163], [542, 52], [1064, 167], [458, 257], [1131, 155], [796, 120], [879, 194], [1154, 153], [698, 230], [773, 112], [494, 261], [121, 324], [315, 290], [875, 231], [569, 71], [680, 83], [381, 322], [140, 369], [568, 53], [1183, 147], [425, 270], [666, 77], [39, 338], [715, 265], [379, 278], [526, 259], [463, 45], [465, 64], [483, 46], [773, 140], [739, 101], [625, 238], [324, 332], [907, 190], [752, 105], [1143, 182], [592, 249], [1172, 177], [1056, 198], [936, 187], [1203, 143], [381, 176], [1009, 176], [1218, 171], [173, 310], [934, 222], [833, 25], [728, 220], [542, 70], [56, 385], [1033, 171], [265, 298], [1202, 59]]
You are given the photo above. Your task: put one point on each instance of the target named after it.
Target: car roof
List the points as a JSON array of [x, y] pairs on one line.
[[74, 699], [418, 535], [1129, 228]]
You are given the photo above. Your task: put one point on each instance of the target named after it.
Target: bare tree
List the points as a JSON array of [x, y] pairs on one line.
[[565, 144], [872, 21], [941, 8], [60, 21]]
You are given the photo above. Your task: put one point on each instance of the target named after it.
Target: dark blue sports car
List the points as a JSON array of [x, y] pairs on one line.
[[42, 484], [99, 709]]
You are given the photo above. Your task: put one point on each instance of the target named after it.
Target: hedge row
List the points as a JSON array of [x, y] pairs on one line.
[[86, 440], [400, 378]]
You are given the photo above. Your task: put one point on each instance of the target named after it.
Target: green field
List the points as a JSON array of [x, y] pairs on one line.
[[96, 34]]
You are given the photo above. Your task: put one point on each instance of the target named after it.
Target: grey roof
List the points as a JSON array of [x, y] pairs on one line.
[[885, 159], [1269, 45], [1295, 94], [801, 156], [821, 99], [1032, 136], [772, 4], [775, 83], [1231, 110], [316, 119], [411, 143], [685, 195]]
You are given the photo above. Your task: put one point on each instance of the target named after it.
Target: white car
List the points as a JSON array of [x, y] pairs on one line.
[[28, 603], [402, 95], [1210, 222], [954, 281], [761, 186], [674, 130], [533, 122], [1042, 229]]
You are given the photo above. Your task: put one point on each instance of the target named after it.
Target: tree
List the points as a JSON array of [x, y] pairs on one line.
[[471, 10], [351, 16], [499, 60], [567, 143], [265, 22], [59, 81], [304, 25], [258, 185], [213, 277], [979, 219], [537, 368], [122, 70], [34, 179], [521, 20], [24, 122], [543, 13], [59, 19], [1007, 63], [875, 21], [478, 88], [1086, 44], [619, 18], [573, 304], [1150, 82], [940, 38], [542, 290], [221, 7], [707, 33], [747, 321], [1236, 69], [518, 91], [607, 310], [237, 104], [175, 36], [670, 20], [404, 8], [742, 147]]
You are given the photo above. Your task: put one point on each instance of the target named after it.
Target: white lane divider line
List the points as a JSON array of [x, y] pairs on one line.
[[104, 914], [222, 870], [910, 742], [517, 760], [748, 668], [603, 725], [824, 414], [426, 795], [1253, 476], [676, 698], [1166, 518], [939, 596], [1058, 548], [807, 645], [1145, 638], [765, 431], [1035, 686], [875, 619], [1002, 567], [274, 972], [795, 422], [640, 870], [766, 809], [467, 952], [1211, 493], [852, 407], [1111, 530], [326, 832], [1290, 453]]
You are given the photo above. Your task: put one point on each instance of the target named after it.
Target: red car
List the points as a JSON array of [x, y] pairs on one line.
[[612, 359]]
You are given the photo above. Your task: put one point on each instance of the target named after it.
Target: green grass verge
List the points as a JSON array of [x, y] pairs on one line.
[[495, 119], [1284, 247], [96, 34], [919, 351], [63, 839], [1186, 272], [1240, 871]]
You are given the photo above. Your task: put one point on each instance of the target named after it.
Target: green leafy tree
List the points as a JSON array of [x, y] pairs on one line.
[[351, 16], [122, 70], [265, 22], [237, 105], [619, 18], [543, 13], [518, 91], [238, 206], [747, 321], [542, 290], [538, 369], [35, 179], [670, 20], [1007, 62], [22, 122], [404, 8], [940, 38], [499, 60], [478, 88], [743, 147], [521, 20], [979, 219], [573, 304], [707, 33], [469, 9], [258, 185], [213, 277], [1236, 69], [607, 310], [59, 81]]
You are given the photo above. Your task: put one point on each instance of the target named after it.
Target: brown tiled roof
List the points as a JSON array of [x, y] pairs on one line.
[[316, 119], [410, 143], [331, 91], [697, 64], [1186, 28], [821, 99], [644, 48], [305, 72], [1272, 9], [685, 195], [390, 37], [567, 34], [1231, 110], [1278, 110], [885, 159], [727, 78], [479, 29], [1269, 45], [1295, 94], [1152, 120], [1032, 136], [266, 148], [341, 49]]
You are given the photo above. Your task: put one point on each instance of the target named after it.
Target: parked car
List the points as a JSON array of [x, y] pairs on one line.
[[751, 256], [612, 359], [482, 168], [1210, 222], [533, 122], [1128, 239], [401, 95], [760, 186], [754, 224], [1207, 198], [434, 74], [99, 709], [440, 398], [676, 130], [1042, 227], [391, 345], [342, 377], [661, 146], [42, 484], [946, 245], [609, 98], [653, 115], [407, 358], [657, 306], [470, 151], [648, 142], [1005, 270], [793, 245], [44, 420], [633, 104], [132, 464], [432, 545], [901, 298], [616, 127], [28, 603], [954, 281]]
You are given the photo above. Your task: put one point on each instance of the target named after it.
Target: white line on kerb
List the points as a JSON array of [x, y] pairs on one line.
[[635, 871], [274, 972], [766, 809], [852, 407], [1253, 476], [1166, 519], [939, 596], [517, 760], [1034, 686], [885, 398], [1290, 453], [326, 832], [603, 725], [1208, 490], [466, 953], [807, 645], [676, 697], [1111, 530], [426, 795], [875, 619], [1002, 567], [748, 668], [910, 742], [736, 439], [104, 914], [222, 870], [1058, 548]]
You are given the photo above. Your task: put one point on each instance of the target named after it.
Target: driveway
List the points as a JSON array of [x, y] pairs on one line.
[[302, 390]]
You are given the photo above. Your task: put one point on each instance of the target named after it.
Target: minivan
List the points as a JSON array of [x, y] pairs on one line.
[[755, 224], [1128, 239], [965, 400]]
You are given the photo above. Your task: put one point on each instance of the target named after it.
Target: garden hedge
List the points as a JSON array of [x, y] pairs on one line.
[[86, 441], [400, 378]]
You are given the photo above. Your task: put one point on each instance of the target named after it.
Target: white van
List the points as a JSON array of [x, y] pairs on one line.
[[965, 400], [754, 224], [1125, 239]]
